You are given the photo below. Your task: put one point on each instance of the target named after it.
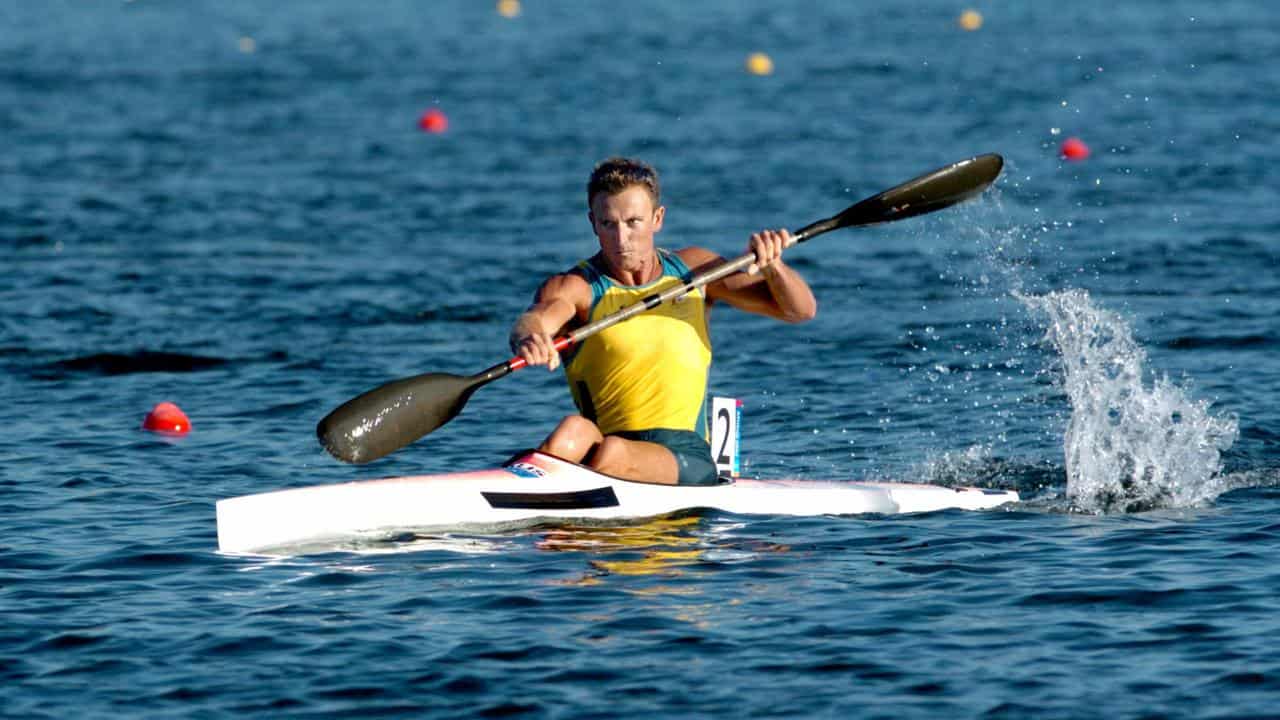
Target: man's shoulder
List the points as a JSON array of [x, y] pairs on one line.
[[694, 256], [569, 283]]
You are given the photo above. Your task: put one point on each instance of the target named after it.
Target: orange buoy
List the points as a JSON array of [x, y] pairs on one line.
[[167, 419], [1073, 148], [433, 121]]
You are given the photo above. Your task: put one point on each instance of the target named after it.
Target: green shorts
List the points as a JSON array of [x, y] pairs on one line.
[[693, 454]]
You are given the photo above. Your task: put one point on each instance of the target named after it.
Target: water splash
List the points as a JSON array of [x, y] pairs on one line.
[[981, 466], [1129, 446]]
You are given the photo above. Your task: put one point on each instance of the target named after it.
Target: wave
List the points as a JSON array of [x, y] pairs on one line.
[[143, 361]]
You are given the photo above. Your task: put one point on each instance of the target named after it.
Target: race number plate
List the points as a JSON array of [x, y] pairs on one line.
[[726, 418]]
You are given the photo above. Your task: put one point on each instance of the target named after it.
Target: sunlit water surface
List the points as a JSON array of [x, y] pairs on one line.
[[229, 205]]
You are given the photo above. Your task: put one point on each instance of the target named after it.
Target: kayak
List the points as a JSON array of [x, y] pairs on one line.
[[533, 488]]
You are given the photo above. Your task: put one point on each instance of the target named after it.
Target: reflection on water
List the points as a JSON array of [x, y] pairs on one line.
[[664, 547], [381, 545]]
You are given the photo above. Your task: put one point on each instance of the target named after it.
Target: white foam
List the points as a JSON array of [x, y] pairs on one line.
[[1130, 445]]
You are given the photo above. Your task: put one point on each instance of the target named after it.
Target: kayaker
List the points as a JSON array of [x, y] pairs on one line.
[[640, 386]]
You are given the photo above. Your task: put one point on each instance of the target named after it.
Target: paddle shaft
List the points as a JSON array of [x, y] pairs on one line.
[[674, 292]]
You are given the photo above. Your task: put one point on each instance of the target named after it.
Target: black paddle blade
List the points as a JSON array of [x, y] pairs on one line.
[[932, 191], [389, 417]]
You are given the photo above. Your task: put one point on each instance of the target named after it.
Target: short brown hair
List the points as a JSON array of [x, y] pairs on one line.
[[616, 174]]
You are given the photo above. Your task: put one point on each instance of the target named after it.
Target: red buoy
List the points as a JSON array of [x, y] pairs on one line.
[[1073, 148], [167, 419], [433, 121]]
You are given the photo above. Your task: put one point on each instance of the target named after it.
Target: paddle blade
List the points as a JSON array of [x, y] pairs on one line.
[[932, 191], [389, 417]]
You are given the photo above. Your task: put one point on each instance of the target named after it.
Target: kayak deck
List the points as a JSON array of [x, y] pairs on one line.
[[535, 487]]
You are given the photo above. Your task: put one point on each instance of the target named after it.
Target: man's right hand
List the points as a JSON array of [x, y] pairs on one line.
[[555, 306], [536, 349]]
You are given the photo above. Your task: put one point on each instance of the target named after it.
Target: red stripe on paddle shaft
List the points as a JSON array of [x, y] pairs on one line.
[[561, 343]]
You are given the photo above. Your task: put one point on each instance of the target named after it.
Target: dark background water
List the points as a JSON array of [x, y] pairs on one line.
[[229, 205]]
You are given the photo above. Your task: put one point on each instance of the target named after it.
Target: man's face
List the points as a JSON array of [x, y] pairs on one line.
[[625, 225]]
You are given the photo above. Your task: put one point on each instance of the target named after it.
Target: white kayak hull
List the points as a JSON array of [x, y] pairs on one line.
[[534, 487]]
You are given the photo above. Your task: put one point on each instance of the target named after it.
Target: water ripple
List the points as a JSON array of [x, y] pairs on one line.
[[232, 208]]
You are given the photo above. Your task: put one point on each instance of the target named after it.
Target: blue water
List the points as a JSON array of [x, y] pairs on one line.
[[229, 205]]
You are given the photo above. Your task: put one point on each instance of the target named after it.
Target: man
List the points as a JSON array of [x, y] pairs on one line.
[[640, 385]]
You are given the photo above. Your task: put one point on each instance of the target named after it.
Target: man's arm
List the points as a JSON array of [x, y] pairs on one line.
[[560, 300], [770, 287]]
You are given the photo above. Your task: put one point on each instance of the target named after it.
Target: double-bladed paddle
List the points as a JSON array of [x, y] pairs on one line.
[[389, 417]]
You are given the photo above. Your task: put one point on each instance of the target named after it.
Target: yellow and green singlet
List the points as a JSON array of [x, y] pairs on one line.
[[649, 371]]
